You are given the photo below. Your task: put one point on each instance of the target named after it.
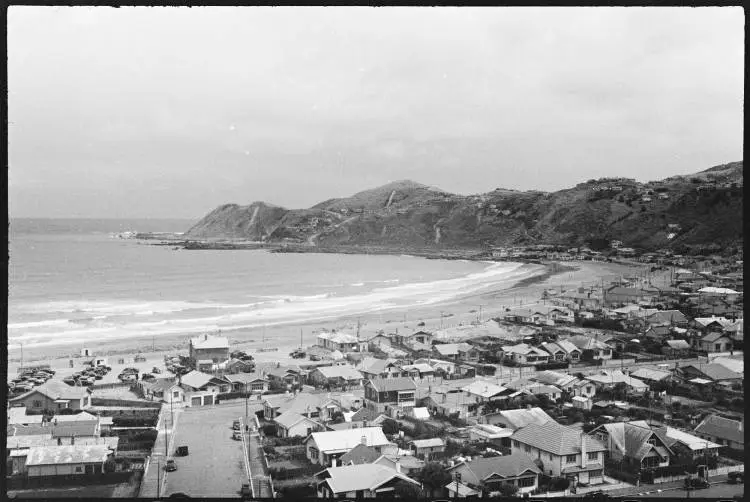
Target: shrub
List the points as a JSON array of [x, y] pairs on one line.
[[269, 430], [508, 490]]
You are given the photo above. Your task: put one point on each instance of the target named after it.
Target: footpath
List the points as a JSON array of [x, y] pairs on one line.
[[153, 474], [258, 469]]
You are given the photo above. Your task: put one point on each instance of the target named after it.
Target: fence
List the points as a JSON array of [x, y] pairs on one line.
[[100, 401], [25, 482], [114, 385]]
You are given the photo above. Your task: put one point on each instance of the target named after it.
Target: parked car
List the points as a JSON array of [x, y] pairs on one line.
[[314, 358], [245, 491], [69, 380], [736, 477], [237, 436], [98, 377], [147, 377], [696, 483], [155, 370], [171, 465], [236, 425], [182, 451]]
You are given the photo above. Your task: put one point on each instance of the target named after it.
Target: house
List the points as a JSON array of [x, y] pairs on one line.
[[524, 354], [285, 377], [590, 347], [166, 390], [343, 342], [248, 382], [380, 340], [562, 380], [320, 407], [457, 351], [485, 476], [581, 402], [563, 451], [607, 379], [539, 389], [420, 337], [419, 370], [619, 295], [562, 350], [667, 318], [290, 424], [540, 314], [54, 396], [723, 431], [360, 454], [651, 376], [635, 444], [713, 342], [583, 388], [658, 333], [392, 396], [201, 388], [409, 464], [483, 391], [516, 419], [325, 448], [580, 299], [342, 376], [17, 416], [688, 445], [239, 366], [427, 449], [65, 461], [711, 324], [485, 433], [676, 349], [372, 367], [359, 481], [208, 348], [442, 403], [714, 372]]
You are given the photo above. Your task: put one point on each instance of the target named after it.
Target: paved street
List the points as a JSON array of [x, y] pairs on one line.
[[723, 490], [215, 465]]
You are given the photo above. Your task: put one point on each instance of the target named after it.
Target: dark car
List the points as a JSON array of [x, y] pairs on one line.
[[600, 495], [736, 477], [696, 483], [179, 495], [245, 491], [170, 466], [182, 451], [155, 370]]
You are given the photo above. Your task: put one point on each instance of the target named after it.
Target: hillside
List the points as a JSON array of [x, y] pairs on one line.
[[697, 209]]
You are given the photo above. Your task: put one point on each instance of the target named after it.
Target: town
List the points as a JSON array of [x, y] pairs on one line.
[[633, 386]]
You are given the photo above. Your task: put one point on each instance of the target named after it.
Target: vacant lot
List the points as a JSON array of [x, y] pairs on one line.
[[214, 467]]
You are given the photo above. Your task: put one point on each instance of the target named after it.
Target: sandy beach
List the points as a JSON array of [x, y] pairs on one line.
[[453, 313]]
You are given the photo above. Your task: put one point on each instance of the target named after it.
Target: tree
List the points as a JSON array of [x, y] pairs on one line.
[[433, 476], [337, 417], [405, 490], [110, 465], [390, 426], [508, 490]]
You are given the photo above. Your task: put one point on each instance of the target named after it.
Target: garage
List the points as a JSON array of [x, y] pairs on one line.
[[196, 401], [208, 399]]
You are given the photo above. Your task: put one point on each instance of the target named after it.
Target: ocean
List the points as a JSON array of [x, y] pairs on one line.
[[71, 282]]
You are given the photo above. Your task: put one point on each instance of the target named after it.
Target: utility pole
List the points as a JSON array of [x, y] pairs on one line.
[[166, 440], [300, 339], [158, 478]]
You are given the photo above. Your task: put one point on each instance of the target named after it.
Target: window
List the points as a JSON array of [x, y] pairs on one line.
[[36, 403], [79, 469], [516, 444], [588, 389], [257, 386], [527, 481], [717, 347], [593, 456], [176, 393], [551, 457], [570, 459], [526, 448], [313, 453], [595, 474]]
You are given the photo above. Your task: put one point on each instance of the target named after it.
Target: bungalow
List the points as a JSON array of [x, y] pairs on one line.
[[360, 481], [713, 342], [325, 448], [583, 388], [392, 396], [562, 350], [54, 396], [420, 370], [239, 366], [516, 419], [524, 354], [372, 367], [651, 376], [166, 390], [342, 376], [380, 340], [635, 444], [360, 454], [607, 379], [591, 347], [248, 382], [73, 460], [457, 351], [343, 342], [445, 404], [562, 380], [201, 388], [285, 377], [428, 449], [563, 451], [723, 431], [667, 318], [658, 333], [320, 407], [688, 445], [421, 337], [486, 476], [619, 295], [711, 324], [483, 391], [714, 372], [676, 349], [290, 424], [485, 433], [409, 464]]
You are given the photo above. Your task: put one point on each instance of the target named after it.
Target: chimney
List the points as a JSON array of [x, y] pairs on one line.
[[583, 450], [333, 462], [398, 465], [363, 440]]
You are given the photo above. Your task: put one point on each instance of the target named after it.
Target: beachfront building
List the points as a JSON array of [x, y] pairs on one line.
[[54, 396], [208, 348], [343, 342], [335, 377], [201, 389], [391, 396]]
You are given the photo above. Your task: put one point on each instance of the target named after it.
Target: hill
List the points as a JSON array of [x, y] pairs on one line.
[[699, 209]]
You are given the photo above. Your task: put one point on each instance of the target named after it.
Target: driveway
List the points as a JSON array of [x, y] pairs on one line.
[[214, 466]]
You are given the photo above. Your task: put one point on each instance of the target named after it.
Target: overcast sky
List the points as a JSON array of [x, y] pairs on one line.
[[169, 112]]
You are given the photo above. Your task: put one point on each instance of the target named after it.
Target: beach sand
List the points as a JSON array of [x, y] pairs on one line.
[[460, 311]]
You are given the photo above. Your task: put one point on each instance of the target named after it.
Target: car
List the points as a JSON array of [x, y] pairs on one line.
[[245, 490], [236, 425], [314, 358], [696, 483], [69, 381], [155, 370], [146, 377], [98, 377], [736, 477], [237, 436], [179, 495], [170, 465], [597, 495], [182, 451]]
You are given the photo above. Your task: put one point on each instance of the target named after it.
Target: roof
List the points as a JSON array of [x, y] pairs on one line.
[[631, 438], [506, 466], [77, 429], [420, 367], [374, 365], [649, 374], [282, 371], [17, 415], [584, 342], [736, 365], [718, 291], [352, 478], [340, 441], [407, 461], [705, 321], [556, 439], [160, 385], [666, 316], [712, 337], [692, 442], [244, 378], [428, 443], [393, 384], [523, 417], [483, 389], [54, 389], [360, 454], [196, 379], [720, 427], [522, 348], [289, 419], [716, 371], [15, 442], [209, 342], [421, 413], [338, 337], [491, 431], [78, 417], [74, 454], [342, 371], [678, 344], [554, 378], [613, 377]]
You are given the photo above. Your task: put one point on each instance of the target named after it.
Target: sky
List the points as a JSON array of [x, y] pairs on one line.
[[144, 112]]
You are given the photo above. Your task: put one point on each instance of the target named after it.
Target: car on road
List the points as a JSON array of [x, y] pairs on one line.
[[182, 451], [170, 465], [313, 357], [148, 377], [237, 436], [736, 477], [245, 491], [599, 495], [236, 425], [155, 370], [69, 381], [179, 495], [696, 483]]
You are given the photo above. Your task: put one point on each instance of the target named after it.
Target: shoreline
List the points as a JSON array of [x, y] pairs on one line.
[[461, 311]]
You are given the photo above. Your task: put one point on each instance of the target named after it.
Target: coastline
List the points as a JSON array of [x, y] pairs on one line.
[[286, 337]]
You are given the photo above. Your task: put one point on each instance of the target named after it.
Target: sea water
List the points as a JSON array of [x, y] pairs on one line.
[[71, 282]]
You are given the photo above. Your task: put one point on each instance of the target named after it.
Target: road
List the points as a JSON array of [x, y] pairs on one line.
[[722, 490], [215, 466]]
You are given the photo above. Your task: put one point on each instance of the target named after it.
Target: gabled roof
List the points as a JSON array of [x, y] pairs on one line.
[[524, 349], [693, 442], [406, 461], [342, 441], [55, 390], [720, 427], [160, 384], [613, 377], [360, 454], [61, 455], [584, 342], [196, 379], [209, 342], [707, 321], [338, 337], [666, 316], [554, 378], [289, 419], [631, 438], [521, 418], [651, 374], [393, 384], [428, 443], [354, 478], [506, 466], [283, 371], [78, 417], [374, 365], [716, 372], [342, 371], [244, 378], [678, 344], [484, 389], [420, 367], [712, 337], [556, 439], [736, 365]]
